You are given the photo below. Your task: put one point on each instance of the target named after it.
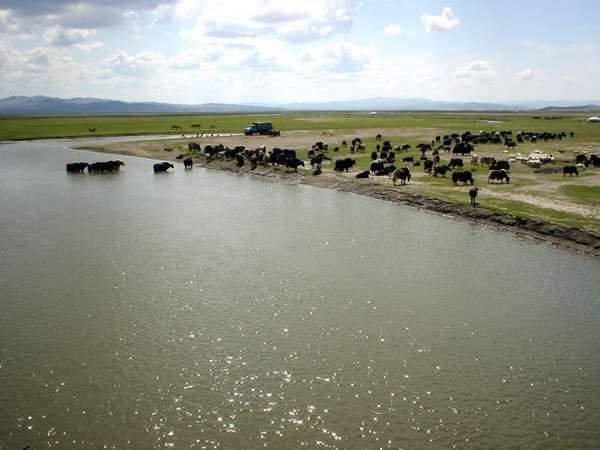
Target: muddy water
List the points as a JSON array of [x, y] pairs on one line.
[[201, 309]]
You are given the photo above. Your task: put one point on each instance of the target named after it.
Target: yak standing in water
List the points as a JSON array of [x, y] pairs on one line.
[[105, 166], [188, 163], [162, 167], [76, 167]]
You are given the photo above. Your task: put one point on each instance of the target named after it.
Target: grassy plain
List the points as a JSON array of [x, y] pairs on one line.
[[571, 201], [14, 128]]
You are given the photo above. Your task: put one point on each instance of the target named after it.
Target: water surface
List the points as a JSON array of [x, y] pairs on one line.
[[203, 309]]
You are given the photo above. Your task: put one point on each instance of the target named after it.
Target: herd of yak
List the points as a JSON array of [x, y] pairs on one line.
[[383, 158]]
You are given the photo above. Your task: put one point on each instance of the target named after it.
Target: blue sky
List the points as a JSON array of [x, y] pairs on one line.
[[194, 51]]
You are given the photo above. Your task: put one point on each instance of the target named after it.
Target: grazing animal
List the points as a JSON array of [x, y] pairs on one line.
[[582, 159], [316, 161], [385, 171], [76, 167], [427, 166], [373, 156], [463, 177], [239, 160], [473, 194], [487, 160], [162, 167], [440, 170], [402, 174], [188, 163], [423, 148], [500, 165], [193, 147], [317, 171], [595, 160], [462, 148], [363, 174], [570, 170], [377, 165], [342, 165], [455, 162], [293, 163], [279, 156], [498, 174]]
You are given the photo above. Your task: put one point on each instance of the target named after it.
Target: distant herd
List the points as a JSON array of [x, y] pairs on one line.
[[383, 158]]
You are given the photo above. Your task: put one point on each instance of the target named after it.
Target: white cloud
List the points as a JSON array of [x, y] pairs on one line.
[[476, 70], [7, 23], [140, 65], [66, 37], [195, 59], [19, 66], [89, 47], [340, 57], [285, 20], [392, 30], [444, 22], [530, 75]]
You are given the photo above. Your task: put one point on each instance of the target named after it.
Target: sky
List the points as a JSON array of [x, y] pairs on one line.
[[280, 51]]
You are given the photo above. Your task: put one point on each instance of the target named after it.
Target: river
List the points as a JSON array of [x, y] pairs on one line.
[[201, 309]]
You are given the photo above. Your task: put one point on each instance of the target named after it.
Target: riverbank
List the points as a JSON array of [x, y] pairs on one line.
[[577, 239]]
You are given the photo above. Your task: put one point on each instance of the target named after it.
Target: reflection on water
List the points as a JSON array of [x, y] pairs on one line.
[[200, 309]]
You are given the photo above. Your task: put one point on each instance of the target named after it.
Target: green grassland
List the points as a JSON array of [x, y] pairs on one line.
[[14, 128], [586, 195]]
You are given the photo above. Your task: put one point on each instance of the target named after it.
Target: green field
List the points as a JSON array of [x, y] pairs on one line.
[[586, 195], [15, 128]]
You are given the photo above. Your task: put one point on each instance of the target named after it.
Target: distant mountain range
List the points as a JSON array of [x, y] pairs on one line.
[[53, 105]]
